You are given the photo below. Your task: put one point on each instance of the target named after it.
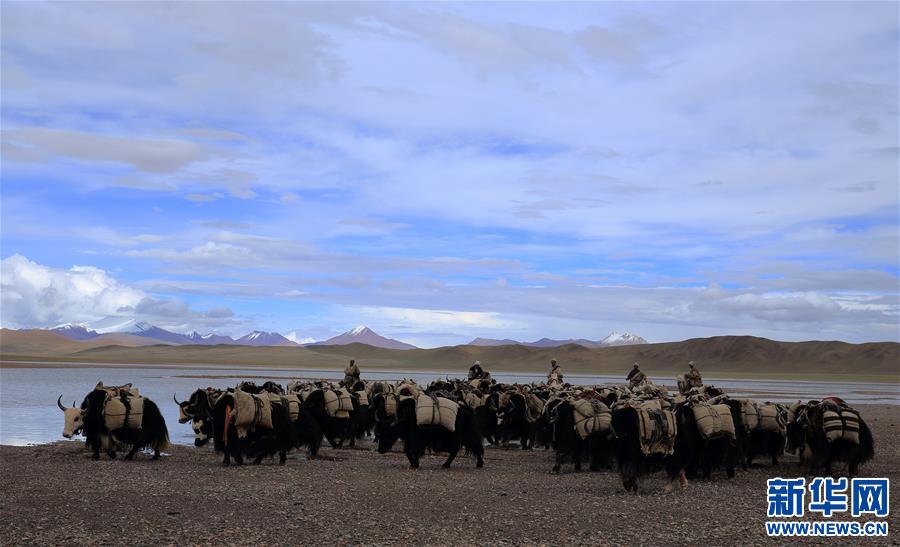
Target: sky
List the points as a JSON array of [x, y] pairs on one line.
[[444, 171]]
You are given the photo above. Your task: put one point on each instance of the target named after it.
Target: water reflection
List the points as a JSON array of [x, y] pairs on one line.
[[28, 412]]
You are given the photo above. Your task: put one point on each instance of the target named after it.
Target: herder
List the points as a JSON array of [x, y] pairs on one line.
[[351, 374], [693, 376], [636, 377], [555, 375], [476, 372]]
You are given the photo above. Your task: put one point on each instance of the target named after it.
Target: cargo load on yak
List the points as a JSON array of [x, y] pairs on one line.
[[251, 411], [840, 422], [432, 410], [657, 430], [408, 389], [292, 400], [591, 416], [654, 404], [363, 397], [123, 411], [713, 420], [749, 414], [338, 404], [474, 401], [771, 418], [115, 391], [534, 406]]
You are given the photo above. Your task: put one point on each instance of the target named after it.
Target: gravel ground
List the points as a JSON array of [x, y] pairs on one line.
[[55, 494]]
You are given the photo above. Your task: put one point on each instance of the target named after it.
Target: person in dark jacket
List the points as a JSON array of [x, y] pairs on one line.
[[636, 377], [476, 372]]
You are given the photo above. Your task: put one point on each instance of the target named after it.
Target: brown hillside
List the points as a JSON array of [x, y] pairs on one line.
[[733, 355]]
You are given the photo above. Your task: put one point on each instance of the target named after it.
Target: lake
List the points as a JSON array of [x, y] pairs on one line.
[[28, 412]]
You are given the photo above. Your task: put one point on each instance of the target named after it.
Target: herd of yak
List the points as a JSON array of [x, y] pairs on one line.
[[636, 429]]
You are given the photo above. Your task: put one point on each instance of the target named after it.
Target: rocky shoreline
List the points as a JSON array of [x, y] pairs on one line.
[[55, 494]]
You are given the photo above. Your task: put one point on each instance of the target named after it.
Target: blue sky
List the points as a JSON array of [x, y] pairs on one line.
[[445, 171]]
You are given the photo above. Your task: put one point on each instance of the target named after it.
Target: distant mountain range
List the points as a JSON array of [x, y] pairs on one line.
[[360, 335], [614, 339]]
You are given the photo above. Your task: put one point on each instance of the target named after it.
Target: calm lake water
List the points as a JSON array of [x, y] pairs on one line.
[[28, 412]]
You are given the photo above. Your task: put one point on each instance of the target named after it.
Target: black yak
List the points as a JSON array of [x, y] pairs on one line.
[[597, 447], [152, 432], [807, 433], [417, 439], [633, 463]]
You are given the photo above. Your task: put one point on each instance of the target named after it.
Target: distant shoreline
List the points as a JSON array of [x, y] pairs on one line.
[[660, 376]]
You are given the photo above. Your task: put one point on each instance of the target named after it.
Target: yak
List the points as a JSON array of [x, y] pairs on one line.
[[89, 421], [633, 463], [513, 420], [597, 447], [703, 455], [198, 410], [336, 430], [806, 433], [259, 442], [417, 439]]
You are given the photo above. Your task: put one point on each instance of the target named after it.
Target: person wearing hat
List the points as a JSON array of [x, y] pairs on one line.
[[554, 375], [476, 372], [693, 376], [636, 377], [351, 374]]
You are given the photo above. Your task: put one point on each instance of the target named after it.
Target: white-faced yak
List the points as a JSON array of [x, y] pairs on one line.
[[149, 432]]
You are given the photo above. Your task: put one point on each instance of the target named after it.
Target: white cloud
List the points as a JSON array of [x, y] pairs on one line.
[[34, 295]]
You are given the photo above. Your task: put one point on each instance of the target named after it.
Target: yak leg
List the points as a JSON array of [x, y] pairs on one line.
[[111, 453], [560, 459], [479, 461], [682, 478], [413, 460], [450, 458], [282, 457], [576, 459], [131, 453], [155, 454]]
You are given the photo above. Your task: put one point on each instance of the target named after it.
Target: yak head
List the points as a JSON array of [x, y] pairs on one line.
[[74, 419], [183, 415]]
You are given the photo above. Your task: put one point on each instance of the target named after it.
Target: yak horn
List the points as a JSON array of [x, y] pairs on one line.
[[60, 405], [176, 400]]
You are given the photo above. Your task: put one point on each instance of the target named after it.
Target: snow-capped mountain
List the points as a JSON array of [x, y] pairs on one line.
[[210, 339], [365, 335], [298, 338], [622, 339], [262, 338], [75, 332], [614, 339], [152, 331]]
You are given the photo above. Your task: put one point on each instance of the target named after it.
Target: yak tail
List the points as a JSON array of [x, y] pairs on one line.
[[866, 443], [470, 434], [159, 433]]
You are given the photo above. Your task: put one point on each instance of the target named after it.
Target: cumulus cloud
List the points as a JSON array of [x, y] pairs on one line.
[[38, 296]]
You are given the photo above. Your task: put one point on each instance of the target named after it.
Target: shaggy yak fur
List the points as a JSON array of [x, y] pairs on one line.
[[417, 439], [598, 447], [807, 434], [704, 455], [258, 443], [152, 434], [632, 462]]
